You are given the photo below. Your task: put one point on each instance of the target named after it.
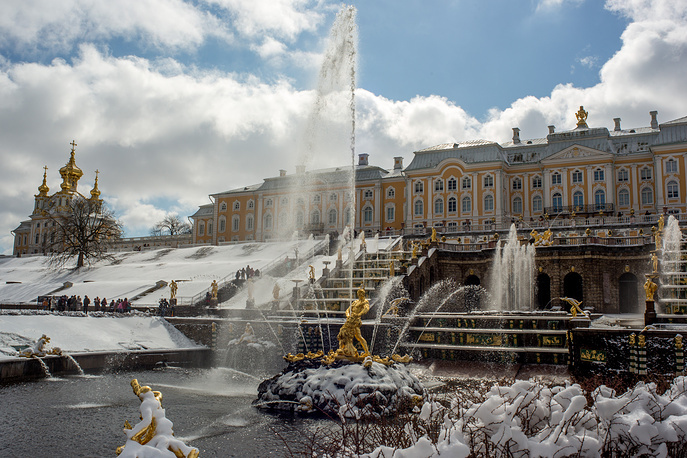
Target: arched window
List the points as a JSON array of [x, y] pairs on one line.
[[673, 192], [536, 182], [557, 201], [488, 181], [517, 205], [237, 206], [316, 198], [577, 177], [452, 204], [517, 184], [315, 217], [390, 193], [390, 213], [268, 202], [368, 194], [439, 206], [332, 197], [578, 199], [419, 187], [332, 217], [452, 184], [466, 205], [556, 178], [222, 224], [647, 196], [209, 227], [439, 185], [623, 175], [600, 199], [367, 215], [488, 203], [235, 223], [251, 204], [623, 198], [201, 228], [419, 207], [671, 166], [249, 222], [466, 183], [537, 204], [223, 207]]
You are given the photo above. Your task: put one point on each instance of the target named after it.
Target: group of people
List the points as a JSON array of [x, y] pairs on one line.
[[247, 272], [77, 304], [165, 308]]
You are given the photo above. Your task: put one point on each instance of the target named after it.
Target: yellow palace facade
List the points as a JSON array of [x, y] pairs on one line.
[[468, 186]]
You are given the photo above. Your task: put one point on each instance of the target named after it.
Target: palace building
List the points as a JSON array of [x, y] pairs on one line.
[[470, 185], [37, 234]]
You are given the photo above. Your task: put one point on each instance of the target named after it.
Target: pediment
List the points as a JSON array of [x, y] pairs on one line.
[[580, 153]]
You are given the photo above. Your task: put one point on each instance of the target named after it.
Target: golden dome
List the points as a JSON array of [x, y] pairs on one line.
[[70, 173]]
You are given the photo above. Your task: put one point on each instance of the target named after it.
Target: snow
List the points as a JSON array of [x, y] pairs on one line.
[[78, 333], [22, 280]]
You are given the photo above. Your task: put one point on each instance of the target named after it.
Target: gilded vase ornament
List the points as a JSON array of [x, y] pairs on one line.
[[581, 116]]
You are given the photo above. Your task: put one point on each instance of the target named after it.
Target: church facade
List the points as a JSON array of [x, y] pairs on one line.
[[471, 185], [37, 234]]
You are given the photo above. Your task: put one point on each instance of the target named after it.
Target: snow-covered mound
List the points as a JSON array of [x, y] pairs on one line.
[[133, 273], [529, 419], [343, 389], [80, 333]]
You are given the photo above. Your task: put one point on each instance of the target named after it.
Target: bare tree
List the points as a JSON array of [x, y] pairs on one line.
[[83, 231], [172, 224]]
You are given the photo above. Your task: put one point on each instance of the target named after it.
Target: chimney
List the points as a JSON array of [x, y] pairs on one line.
[[300, 169], [362, 158], [282, 172], [398, 162], [516, 135], [552, 129], [654, 121], [617, 124]]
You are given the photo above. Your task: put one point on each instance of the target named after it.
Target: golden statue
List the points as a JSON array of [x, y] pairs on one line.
[[434, 235], [581, 116], [311, 275], [38, 349], [392, 270], [275, 291], [338, 254], [654, 261], [146, 432], [661, 223], [650, 288], [574, 306], [351, 328], [214, 288], [415, 247], [173, 287]]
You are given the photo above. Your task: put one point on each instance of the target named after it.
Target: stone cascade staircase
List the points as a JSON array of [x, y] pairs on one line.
[[334, 291]]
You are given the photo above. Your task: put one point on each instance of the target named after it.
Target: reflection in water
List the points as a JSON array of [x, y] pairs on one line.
[[84, 416]]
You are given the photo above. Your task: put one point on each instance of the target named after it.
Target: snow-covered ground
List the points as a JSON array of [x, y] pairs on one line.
[[22, 280], [78, 333]]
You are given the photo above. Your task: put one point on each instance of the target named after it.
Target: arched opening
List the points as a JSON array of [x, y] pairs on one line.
[[543, 291], [572, 286], [472, 280], [431, 275], [627, 294]]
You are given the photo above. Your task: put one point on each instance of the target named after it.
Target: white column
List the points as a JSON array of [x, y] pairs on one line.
[[610, 184], [658, 180], [634, 182]]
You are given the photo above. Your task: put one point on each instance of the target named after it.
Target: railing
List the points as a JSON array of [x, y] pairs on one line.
[[589, 208], [557, 241]]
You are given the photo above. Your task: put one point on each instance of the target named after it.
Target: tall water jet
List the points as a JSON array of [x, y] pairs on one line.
[[673, 269], [512, 274]]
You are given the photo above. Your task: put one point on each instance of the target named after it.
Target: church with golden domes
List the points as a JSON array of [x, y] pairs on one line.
[[37, 234]]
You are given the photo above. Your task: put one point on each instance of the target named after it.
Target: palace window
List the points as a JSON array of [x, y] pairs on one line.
[[390, 213], [517, 184], [223, 207], [623, 176], [452, 226], [315, 217], [578, 199], [251, 204], [332, 217], [556, 178], [488, 181], [517, 205], [368, 194], [452, 183], [452, 204], [237, 206], [623, 198], [466, 205], [466, 183], [537, 204], [222, 224], [332, 197], [285, 201], [600, 199], [316, 198], [489, 203], [201, 228], [390, 193], [536, 182], [577, 177], [673, 192], [367, 215], [419, 187], [671, 166], [439, 206], [557, 201], [268, 222], [599, 175], [235, 223], [645, 173], [249, 222], [439, 185], [268, 202], [647, 196], [299, 220], [419, 207]]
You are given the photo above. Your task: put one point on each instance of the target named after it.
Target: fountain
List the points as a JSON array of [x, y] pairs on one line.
[[673, 268], [512, 275]]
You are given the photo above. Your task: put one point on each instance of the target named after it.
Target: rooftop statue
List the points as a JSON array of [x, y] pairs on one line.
[[581, 116]]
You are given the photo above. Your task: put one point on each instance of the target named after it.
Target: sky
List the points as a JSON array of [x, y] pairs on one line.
[[174, 100]]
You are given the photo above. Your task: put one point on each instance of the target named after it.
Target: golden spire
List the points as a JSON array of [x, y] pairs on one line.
[[95, 192], [581, 116], [43, 189], [70, 173]]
